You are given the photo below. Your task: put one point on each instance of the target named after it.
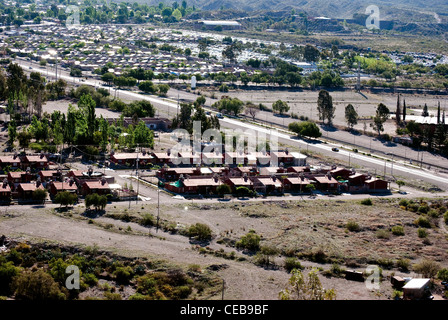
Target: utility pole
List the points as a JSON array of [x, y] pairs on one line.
[[138, 180], [158, 207]]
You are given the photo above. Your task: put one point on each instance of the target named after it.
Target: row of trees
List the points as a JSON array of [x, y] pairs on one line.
[[91, 12]]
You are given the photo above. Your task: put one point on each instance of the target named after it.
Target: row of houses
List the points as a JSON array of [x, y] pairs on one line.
[[22, 184], [188, 158], [14, 162], [268, 180]]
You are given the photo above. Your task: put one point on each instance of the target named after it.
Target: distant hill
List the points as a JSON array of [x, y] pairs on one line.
[[403, 10]]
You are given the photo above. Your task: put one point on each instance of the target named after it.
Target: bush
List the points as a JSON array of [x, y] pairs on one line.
[[413, 207], [90, 279], [292, 263], [427, 268], [382, 234], [403, 203], [352, 226], [423, 209], [147, 220], [445, 217], [433, 213], [123, 274], [7, 273], [443, 274], [422, 233], [336, 270], [250, 241], [423, 222], [403, 264], [224, 189], [398, 230], [367, 202], [200, 231], [37, 285]]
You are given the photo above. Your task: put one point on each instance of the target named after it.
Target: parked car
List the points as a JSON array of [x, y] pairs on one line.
[[335, 149], [220, 116]]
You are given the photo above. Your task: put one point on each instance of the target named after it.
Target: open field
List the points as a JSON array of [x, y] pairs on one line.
[[313, 231]]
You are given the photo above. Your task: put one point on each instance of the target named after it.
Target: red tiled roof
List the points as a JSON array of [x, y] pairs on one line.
[[240, 181], [201, 182], [29, 186], [64, 186], [96, 185], [36, 159], [297, 180], [9, 159]]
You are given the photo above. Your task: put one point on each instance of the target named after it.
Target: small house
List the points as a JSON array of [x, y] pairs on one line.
[[341, 173], [25, 190], [100, 187], [326, 183], [295, 184], [55, 187], [376, 184], [416, 289], [267, 184]]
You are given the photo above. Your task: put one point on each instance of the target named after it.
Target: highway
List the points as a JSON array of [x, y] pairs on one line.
[[378, 165]]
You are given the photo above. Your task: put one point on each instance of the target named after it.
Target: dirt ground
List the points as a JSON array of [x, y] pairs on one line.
[[295, 226]]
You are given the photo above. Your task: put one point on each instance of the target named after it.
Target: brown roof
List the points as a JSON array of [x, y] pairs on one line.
[[240, 181], [16, 174], [4, 187], [36, 159], [48, 173], [182, 170], [9, 159], [161, 155], [64, 186], [29, 186], [325, 180], [297, 180], [208, 182], [372, 180], [270, 182], [282, 154], [339, 170], [96, 185], [297, 169]]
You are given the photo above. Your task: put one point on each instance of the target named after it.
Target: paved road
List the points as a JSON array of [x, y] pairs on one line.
[[381, 166]]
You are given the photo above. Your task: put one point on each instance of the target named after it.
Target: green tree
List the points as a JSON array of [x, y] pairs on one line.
[[66, 198], [351, 116], [7, 273], [147, 87], [306, 287], [40, 195], [223, 189], [12, 132], [280, 106], [325, 107], [381, 116], [87, 106]]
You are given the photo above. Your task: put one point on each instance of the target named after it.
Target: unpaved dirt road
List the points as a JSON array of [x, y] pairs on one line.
[[243, 279]]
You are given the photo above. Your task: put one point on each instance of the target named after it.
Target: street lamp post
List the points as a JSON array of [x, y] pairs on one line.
[[158, 208]]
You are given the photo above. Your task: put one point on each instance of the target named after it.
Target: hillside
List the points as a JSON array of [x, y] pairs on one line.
[[403, 10]]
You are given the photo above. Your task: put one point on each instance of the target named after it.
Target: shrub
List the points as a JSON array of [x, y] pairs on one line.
[[403, 203], [403, 264], [112, 296], [398, 230], [147, 220], [443, 274], [367, 202], [90, 279], [423, 222], [386, 263], [123, 274], [427, 268], [200, 231], [194, 267], [413, 207], [336, 270], [423, 209], [37, 285], [445, 217], [422, 233], [352, 226], [397, 294], [382, 234], [433, 213], [292, 263], [250, 241], [7, 273]]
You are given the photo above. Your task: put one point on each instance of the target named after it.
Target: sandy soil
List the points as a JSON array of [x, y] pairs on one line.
[[243, 279]]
